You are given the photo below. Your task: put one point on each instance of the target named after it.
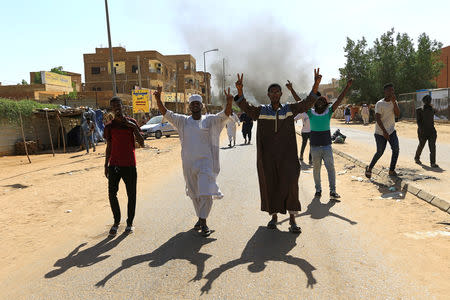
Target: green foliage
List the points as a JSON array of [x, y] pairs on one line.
[[58, 70], [37, 78], [23, 82], [393, 58], [9, 109]]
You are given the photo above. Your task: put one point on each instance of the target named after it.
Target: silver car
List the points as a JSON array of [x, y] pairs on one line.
[[157, 127]]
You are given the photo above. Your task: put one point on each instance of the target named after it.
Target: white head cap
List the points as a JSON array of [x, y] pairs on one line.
[[195, 97]]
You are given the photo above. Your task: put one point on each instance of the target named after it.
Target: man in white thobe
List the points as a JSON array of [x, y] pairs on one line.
[[199, 136], [231, 129]]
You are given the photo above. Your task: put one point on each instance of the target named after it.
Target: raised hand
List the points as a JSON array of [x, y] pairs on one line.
[[240, 84], [289, 85], [317, 76], [349, 82], [158, 92], [228, 95]]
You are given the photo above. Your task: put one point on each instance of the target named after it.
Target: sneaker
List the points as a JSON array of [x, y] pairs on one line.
[[318, 194], [417, 161], [113, 230], [334, 195], [435, 166], [205, 231], [129, 229], [368, 172], [392, 173]]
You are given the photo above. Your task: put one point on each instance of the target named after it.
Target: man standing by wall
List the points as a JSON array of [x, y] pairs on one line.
[[120, 162], [386, 110]]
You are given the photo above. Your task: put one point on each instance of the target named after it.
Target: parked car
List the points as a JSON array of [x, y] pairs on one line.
[[157, 127]]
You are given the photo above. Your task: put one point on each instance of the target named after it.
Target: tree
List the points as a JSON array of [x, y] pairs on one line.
[[58, 70], [390, 60]]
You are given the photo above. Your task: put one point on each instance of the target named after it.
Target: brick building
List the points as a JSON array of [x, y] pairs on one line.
[[175, 73], [330, 89], [443, 80]]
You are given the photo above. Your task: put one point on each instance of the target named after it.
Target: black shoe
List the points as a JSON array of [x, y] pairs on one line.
[[113, 230], [435, 166], [129, 229], [272, 224], [198, 226], [229, 145], [417, 161], [368, 172], [334, 195], [318, 194], [205, 231], [294, 228]]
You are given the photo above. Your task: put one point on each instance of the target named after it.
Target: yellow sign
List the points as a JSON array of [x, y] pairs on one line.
[[56, 79], [141, 100]]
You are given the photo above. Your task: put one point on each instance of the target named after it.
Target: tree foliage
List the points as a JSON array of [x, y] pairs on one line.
[[58, 70], [392, 58]]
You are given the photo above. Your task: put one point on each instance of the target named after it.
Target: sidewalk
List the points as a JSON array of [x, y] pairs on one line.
[[360, 144]]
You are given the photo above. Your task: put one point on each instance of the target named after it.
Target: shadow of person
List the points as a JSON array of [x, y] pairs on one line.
[[319, 210], [86, 257], [185, 246], [264, 246], [427, 168]]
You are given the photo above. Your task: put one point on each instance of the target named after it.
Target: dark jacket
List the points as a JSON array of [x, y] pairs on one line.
[[425, 120]]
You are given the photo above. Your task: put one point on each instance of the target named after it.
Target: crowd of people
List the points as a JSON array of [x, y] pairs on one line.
[[277, 160]]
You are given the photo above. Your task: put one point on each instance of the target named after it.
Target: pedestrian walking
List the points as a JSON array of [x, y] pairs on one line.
[[199, 135], [231, 129], [426, 131], [321, 150], [347, 114], [386, 110], [120, 162], [247, 126], [306, 133], [88, 128], [276, 145], [365, 114]]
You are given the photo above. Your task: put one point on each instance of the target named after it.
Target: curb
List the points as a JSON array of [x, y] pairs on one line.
[[442, 204]]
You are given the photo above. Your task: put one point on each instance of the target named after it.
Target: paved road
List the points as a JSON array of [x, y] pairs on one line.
[[408, 146], [333, 258]]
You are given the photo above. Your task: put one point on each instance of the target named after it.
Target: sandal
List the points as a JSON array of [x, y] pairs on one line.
[[295, 229], [272, 224]]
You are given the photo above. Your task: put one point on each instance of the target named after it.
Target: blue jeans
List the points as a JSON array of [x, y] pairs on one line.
[[381, 146], [324, 153], [88, 138]]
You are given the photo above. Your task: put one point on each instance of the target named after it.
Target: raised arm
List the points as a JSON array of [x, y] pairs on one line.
[[342, 95], [251, 110], [228, 108], [396, 108], [307, 103], [294, 94], [161, 107]]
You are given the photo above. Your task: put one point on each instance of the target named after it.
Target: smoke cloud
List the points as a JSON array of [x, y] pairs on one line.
[[260, 47]]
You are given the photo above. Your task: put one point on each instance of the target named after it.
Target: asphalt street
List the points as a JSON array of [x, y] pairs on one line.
[[332, 259]]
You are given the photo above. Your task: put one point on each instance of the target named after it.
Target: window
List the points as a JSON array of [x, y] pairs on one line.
[[186, 65], [95, 70], [134, 69]]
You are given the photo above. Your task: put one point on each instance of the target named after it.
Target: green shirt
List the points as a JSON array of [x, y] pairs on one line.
[[320, 126]]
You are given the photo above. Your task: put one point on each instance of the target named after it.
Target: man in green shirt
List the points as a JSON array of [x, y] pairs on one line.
[[319, 118]]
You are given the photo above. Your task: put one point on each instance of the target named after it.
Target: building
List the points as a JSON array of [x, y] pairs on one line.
[[43, 85], [175, 73], [443, 80], [330, 90]]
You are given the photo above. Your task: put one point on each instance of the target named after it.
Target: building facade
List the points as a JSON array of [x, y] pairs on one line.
[[175, 73], [443, 80]]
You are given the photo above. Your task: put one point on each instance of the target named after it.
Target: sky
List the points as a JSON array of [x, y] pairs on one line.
[[270, 41]]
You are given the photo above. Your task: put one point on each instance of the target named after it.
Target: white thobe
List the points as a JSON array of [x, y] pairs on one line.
[[231, 127], [200, 156]]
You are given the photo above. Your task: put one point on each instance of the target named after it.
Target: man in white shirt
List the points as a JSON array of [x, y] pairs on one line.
[[231, 129], [386, 110], [199, 136], [365, 114], [306, 132]]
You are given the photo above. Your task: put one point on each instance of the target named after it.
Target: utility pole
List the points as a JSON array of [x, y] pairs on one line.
[[204, 73], [139, 72], [223, 78], [113, 71]]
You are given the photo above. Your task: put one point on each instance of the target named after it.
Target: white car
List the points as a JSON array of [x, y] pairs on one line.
[[157, 127]]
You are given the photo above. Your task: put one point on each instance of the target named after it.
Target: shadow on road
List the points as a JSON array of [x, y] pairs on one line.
[[319, 210], [185, 245], [265, 245], [87, 257]]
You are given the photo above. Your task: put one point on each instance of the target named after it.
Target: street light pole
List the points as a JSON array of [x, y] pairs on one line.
[[204, 73], [113, 73]]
